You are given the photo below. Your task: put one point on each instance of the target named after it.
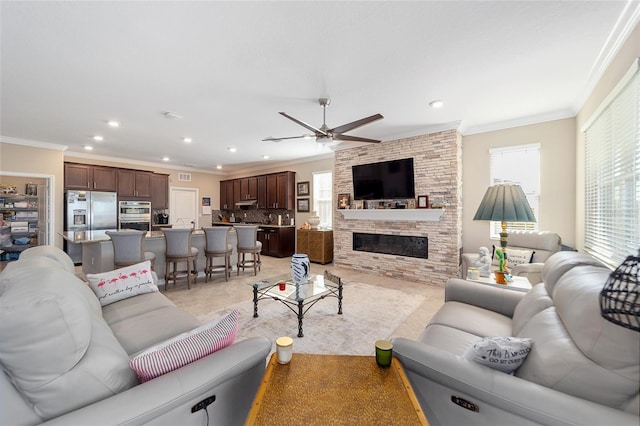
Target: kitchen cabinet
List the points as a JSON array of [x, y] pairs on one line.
[[237, 194], [226, 194], [277, 241], [134, 183], [262, 192], [159, 191], [249, 188], [90, 178], [280, 190], [317, 244]]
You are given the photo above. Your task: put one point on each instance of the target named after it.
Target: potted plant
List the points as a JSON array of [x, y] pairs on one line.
[[502, 271]]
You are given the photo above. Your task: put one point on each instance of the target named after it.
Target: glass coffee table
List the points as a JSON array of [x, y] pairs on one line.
[[299, 298]]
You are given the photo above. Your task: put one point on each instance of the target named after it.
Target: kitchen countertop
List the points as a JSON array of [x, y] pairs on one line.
[[259, 225], [84, 237]]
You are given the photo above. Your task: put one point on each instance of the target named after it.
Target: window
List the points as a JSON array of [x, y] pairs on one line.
[[612, 174], [519, 164], [322, 198]]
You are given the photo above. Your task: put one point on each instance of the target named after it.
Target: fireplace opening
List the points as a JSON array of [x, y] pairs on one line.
[[397, 245]]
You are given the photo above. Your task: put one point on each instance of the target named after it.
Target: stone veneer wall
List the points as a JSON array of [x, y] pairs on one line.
[[438, 174]]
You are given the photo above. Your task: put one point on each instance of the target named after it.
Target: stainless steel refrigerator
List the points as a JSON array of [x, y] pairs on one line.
[[88, 211]]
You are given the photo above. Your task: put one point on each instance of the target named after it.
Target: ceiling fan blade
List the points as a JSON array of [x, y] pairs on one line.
[[303, 124], [355, 124], [272, 139], [354, 139]]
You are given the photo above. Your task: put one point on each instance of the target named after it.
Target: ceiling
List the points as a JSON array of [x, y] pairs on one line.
[[228, 68]]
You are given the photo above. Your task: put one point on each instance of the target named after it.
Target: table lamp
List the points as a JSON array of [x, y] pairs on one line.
[[505, 203]]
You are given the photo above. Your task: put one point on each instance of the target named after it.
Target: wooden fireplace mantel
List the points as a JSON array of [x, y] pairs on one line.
[[414, 215]]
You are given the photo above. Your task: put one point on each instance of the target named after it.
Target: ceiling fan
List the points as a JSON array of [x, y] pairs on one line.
[[326, 135]]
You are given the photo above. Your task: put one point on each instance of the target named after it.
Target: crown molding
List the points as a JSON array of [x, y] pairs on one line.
[[627, 22], [518, 122], [32, 143]]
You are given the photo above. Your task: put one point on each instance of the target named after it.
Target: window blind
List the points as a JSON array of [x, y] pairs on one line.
[[322, 197], [517, 164], [612, 175]]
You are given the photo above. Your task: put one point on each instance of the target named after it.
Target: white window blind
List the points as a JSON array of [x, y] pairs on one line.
[[518, 164], [322, 198], [612, 175]]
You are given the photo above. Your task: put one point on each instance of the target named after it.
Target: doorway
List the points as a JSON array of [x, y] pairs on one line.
[[183, 207]]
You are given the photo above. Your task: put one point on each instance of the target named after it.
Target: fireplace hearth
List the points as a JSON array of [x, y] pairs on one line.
[[397, 245]]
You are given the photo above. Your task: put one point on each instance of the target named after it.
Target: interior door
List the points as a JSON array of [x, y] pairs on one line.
[[183, 208]]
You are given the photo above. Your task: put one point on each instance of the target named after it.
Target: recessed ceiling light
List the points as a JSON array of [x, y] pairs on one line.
[[265, 157], [186, 140], [165, 158], [113, 123], [98, 138], [436, 104], [88, 147], [218, 167], [172, 115], [232, 149]]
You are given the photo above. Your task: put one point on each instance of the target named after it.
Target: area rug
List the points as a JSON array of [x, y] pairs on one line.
[[368, 314]]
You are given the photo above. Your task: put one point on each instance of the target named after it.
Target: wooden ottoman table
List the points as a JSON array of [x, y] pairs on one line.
[[334, 390]]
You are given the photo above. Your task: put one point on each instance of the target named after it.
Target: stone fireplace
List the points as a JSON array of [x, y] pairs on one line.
[[438, 174]]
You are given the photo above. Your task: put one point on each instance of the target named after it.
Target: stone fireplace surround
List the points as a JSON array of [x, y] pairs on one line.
[[438, 174]]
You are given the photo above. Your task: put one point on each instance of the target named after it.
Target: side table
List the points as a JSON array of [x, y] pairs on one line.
[[517, 283]]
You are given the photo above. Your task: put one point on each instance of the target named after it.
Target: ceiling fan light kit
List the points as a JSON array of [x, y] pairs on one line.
[[324, 134]]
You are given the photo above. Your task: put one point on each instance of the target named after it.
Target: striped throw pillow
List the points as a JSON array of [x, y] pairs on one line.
[[186, 347]]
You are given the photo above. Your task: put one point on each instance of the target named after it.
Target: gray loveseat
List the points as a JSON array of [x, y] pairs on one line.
[[65, 358], [582, 369]]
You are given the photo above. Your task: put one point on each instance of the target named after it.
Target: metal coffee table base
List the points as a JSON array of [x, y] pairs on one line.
[[299, 307]]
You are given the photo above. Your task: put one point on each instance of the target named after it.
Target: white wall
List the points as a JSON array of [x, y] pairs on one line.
[[557, 141]]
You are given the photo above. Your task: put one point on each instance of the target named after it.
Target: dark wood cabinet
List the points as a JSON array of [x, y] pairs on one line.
[[272, 191], [277, 242], [226, 194], [317, 244], [90, 178], [134, 183], [159, 191], [262, 192], [249, 188]]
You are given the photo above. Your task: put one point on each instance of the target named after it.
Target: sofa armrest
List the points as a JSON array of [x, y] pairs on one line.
[[498, 394], [500, 300], [232, 374], [531, 271]]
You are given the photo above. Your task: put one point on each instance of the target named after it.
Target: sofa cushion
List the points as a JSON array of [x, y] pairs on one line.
[[145, 320], [536, 300], [57, 349], [473, 319], [448, 339], [577, 351], [122, 283], [504, 354], [186, 348]]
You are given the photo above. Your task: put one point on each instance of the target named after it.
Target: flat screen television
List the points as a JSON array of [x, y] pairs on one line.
[[387, 180]]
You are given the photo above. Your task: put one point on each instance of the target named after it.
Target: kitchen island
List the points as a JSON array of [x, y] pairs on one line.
[[97, 250]]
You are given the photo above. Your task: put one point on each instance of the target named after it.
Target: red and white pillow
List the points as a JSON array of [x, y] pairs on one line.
[[123, 283], [186, 348]]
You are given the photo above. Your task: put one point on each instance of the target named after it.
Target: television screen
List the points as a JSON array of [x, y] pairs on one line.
[[387, 180]]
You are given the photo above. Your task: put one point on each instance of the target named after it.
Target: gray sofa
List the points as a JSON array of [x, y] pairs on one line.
[[582, 369], [65, 359]]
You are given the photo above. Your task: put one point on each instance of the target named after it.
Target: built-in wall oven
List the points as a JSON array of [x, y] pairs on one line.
[[134, 215]]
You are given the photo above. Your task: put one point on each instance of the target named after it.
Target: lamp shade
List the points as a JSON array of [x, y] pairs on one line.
[[505, 203]]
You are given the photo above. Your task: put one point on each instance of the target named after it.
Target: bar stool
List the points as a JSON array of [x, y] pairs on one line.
[[248, 243], [217, 245], [128, 248], [179, 249]]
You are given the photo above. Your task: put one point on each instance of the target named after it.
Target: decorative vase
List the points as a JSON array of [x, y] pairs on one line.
[[300, 268], [314, 220]]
